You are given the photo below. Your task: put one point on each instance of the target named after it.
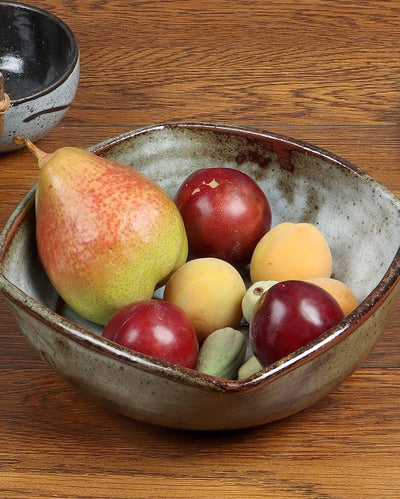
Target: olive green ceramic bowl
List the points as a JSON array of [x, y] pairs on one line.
[[359, 217]]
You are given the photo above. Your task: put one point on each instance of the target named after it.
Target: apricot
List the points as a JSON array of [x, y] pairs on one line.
[[210, 292], [291, 251], [339, 290]]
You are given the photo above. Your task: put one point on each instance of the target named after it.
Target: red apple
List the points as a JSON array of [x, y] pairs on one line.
[[288, 316], [225, 213], [157, 328]]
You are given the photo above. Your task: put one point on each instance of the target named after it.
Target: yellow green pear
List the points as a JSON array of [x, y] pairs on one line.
[[107, 235]]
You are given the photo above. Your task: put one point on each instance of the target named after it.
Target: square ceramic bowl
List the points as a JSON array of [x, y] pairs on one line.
[[359, 217]]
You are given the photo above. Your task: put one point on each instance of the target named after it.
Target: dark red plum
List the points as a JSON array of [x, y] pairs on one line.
[[288, 316], [225, 213], [157, 328]]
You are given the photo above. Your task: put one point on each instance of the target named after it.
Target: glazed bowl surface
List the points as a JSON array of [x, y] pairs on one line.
[[39, 62], [358, 216]]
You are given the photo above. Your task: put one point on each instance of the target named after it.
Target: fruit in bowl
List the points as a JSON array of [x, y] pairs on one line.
[[225, 213], [210, 291], [291, 251], [106, 234], [290, 315], [157, 328], [297, 179]]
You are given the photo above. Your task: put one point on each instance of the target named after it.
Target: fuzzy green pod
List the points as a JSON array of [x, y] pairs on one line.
[[250, 367], [222, 353]]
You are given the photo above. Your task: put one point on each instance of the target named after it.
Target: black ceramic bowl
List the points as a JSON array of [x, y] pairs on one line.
[[39, 61]]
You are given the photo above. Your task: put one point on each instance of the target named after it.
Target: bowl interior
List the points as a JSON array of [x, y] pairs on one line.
[[37, 50]]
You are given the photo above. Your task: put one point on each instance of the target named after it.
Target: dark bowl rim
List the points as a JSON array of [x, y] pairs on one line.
[[73, 58], [180, 374]]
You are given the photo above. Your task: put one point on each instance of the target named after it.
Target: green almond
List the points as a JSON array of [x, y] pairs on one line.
[[222, 353], [250, 367]]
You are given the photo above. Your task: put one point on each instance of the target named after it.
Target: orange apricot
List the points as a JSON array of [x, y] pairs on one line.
[[339, 290], [291, 251], [210, 292]]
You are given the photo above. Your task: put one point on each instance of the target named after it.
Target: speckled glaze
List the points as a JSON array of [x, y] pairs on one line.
[[359, 217], [40, 62]]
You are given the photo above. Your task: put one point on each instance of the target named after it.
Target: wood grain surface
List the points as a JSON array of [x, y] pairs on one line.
[[320, 71]]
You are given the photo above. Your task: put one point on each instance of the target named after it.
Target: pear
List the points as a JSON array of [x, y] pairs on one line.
[[107, 235]]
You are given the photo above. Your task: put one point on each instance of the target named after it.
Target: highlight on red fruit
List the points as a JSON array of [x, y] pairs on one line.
[[288, 316], [157, 328], [225, 213]]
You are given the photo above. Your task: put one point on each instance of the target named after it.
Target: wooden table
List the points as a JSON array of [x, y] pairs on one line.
[[325, 72]]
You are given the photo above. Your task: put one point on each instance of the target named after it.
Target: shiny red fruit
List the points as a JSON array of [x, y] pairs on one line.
[[288, 316], [157, 328], [225, 213]]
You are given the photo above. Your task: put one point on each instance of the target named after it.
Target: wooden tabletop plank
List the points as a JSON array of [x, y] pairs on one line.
[[339, 447], [252, 62]]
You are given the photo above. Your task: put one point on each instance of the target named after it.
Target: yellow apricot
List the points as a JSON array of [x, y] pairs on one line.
[[210, 291], [291, 251], [339, 290]]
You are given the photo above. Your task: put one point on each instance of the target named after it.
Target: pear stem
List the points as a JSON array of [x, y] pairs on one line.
[[34, 149]]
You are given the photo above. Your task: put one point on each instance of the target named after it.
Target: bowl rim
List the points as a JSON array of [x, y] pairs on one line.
[[73, 42], [180, 374]]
